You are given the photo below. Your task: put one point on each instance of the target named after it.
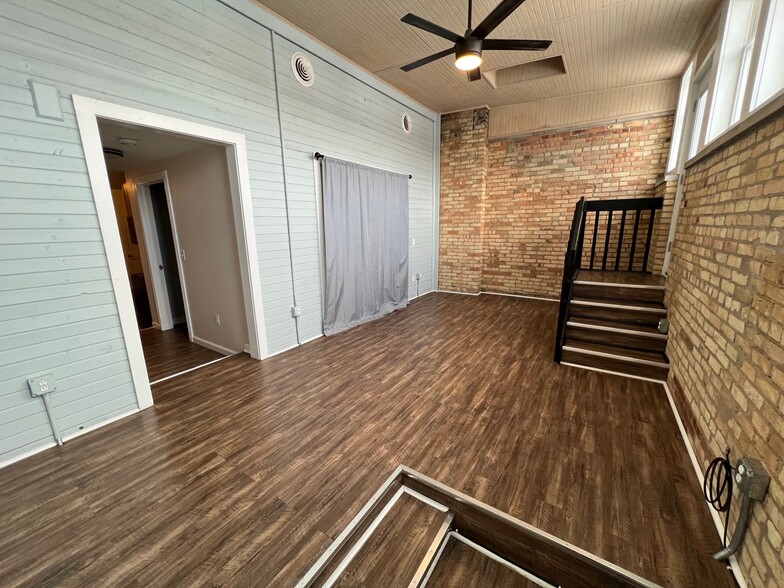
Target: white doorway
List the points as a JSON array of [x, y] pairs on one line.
[[89, 114], [163, 255]]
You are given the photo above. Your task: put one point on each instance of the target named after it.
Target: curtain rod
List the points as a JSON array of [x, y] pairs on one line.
[[319, 156]]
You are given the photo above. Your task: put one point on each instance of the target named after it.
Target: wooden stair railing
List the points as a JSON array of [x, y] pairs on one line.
[[611, 252]]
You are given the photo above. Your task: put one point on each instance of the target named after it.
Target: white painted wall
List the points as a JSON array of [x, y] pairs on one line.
[[204, 219], [205, 61]]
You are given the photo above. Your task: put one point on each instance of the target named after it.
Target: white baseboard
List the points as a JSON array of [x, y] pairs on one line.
[[497, 294], [456, 292], [522, 296], [27, 454], [319, 336], [700, 477], [67, 438], [214, 346], [612, 373]]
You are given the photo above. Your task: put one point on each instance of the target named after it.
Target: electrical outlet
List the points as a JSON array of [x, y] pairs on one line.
[[413, 241], [182, 254], [296, 311], [418, 276], [41, 385], [217, 318]]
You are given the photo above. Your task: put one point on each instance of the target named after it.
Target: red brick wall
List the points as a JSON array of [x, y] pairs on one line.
[[725, 293], [504, 228], [534, 182], [463, 175]]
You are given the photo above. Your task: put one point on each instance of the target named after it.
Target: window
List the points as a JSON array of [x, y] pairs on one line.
[[770, 71], [680, 120], [699, 116], [734, 64]]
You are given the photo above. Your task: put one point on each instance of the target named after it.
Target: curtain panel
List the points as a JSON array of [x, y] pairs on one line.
[[365, 243]]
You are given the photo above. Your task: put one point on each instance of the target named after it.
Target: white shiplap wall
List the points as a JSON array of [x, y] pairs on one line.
[[198, 60], [341, 117]]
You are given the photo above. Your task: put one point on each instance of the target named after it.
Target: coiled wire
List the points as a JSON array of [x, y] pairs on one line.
[[717, 487]]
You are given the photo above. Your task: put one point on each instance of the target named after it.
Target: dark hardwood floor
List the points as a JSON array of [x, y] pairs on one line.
[[244, 471], [171, 352], [461, 566]]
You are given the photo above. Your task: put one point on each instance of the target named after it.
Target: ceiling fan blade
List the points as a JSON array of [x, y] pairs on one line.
[[498, 15], [430, 27], [474, 75], [515, 44], [428, 59]]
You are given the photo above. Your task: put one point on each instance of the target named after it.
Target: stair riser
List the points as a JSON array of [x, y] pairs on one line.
[[615, 365], [619, 339], [636, 317], [604, 292]]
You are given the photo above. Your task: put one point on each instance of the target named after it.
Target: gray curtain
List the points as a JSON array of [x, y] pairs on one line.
[[366, 243]]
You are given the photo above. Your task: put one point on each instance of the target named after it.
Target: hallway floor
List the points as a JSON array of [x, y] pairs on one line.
[[170, 352]]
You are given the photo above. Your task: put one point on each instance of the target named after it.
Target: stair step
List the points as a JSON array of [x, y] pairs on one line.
[[626, 292], [646, 313], [394, 550], [461, 564], [613, 333], [635, 362]]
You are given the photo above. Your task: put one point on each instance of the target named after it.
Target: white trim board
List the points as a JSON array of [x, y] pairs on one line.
[[700, 477], [214, 346], [494, 294], [73, 435], [88, 111]]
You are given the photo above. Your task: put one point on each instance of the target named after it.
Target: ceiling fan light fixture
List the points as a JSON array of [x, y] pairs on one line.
[[468, 54], [468, 61]]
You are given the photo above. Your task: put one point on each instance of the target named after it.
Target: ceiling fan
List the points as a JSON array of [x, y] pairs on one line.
[[468, 48]]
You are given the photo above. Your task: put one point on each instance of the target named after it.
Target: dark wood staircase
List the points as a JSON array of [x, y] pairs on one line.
[[610, 312]]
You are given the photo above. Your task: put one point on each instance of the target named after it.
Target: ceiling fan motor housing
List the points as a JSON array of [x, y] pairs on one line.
[[469, 46]]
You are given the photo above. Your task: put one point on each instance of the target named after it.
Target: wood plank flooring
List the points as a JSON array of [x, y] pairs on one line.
[[171, 352], [461, 566], [244, 471]]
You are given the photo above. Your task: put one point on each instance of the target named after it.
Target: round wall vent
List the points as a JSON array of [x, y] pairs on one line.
[[303, 69], [406, 122]]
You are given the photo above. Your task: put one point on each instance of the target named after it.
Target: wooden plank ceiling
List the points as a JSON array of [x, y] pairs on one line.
[[605, 44]]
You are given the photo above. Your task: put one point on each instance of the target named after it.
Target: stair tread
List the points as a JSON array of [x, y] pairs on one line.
[[654, 306], [397, 546], [605, 277], [652, 356], [462, 565], [606, 323]]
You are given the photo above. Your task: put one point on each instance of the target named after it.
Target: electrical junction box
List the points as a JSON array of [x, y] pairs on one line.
[[752, 478], [41, 385], [296, 311]]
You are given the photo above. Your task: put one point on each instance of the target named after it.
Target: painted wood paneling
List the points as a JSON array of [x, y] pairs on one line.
[[344, 118], [584, 110], [197, 60], [605, 44]]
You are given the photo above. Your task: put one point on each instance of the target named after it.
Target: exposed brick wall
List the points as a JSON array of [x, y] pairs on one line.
[[527, 195], [463, 184], [725, 293]]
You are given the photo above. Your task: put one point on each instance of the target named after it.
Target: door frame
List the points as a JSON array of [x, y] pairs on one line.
[[153, 249], [88, 112]]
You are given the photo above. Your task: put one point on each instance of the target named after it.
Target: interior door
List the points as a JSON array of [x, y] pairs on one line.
[[168, 251]]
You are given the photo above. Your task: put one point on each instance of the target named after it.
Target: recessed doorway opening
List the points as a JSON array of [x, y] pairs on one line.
[[177, 224]]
